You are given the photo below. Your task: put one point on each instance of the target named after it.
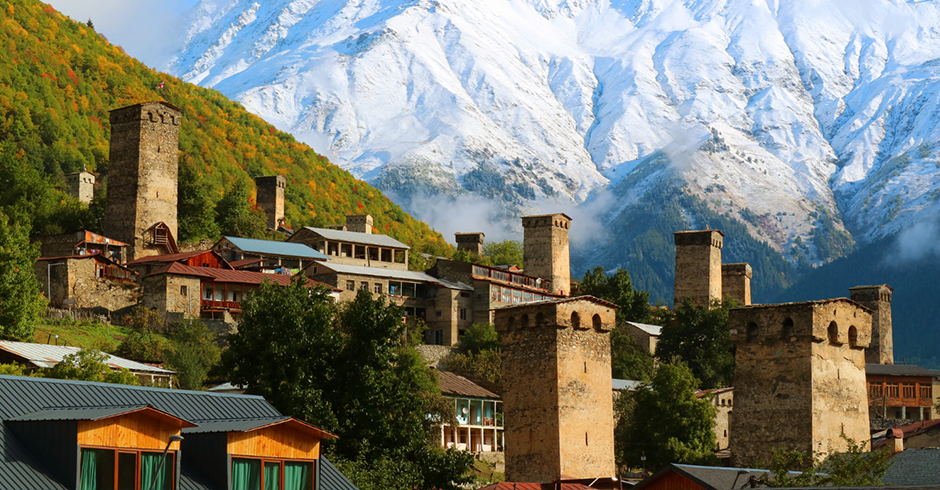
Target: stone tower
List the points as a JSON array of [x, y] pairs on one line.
[[471, 242], [359, 223], [736, 282], [271, 198], [142, 178], [81, 186], [799, 379], [557, 399], [698, 266], [545, 250], [878, 300]]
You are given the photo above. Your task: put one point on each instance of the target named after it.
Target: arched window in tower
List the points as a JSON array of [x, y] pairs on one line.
[[834, 338], [853, 337], [511, 323], [786, 332], [752, 330], [539, 320], [575, 319], [524, 321], [597, 322]]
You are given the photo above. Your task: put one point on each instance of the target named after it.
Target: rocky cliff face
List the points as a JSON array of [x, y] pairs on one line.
[[814, 124]]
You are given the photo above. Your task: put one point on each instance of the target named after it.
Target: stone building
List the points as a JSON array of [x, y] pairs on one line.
[[471, 242], [142, 178], [479, 415], [267, 256], [83, 243], [736, 282], [81, 186], [270, 196], [899, 393], [645, 335], [799, 378], [87, 282], [878, 300], [698, 266], [545, 250], [557, 389], [362, 248], [722, 399]]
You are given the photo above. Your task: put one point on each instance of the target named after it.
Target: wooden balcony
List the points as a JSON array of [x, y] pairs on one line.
[[212, 305]]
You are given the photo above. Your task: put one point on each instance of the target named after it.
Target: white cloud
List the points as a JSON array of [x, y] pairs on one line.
[[147, 30]]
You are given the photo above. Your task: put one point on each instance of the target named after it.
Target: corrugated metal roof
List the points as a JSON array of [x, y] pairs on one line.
[[562, 300], [232, 276], [176, 257], [510, 485], [356, 237], [19, 469], [625, 384], [380, 272], [331, 478], [271, 247], [455, 384], [234, 425], [44, 355], [654, 330], [900, 370], [77, 413]]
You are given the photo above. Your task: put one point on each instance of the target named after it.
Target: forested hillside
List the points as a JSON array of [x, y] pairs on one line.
[[58, 80]]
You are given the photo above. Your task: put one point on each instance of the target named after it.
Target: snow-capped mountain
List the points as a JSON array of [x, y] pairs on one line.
[[800, 118]]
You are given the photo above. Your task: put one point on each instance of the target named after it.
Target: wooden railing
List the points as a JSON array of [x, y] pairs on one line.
[[208, 304]]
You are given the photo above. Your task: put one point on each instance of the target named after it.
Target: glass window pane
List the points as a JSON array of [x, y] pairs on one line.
[[272, 476], [150, 464], [246, 474], [97, 469], [127, 471], [298, 476]]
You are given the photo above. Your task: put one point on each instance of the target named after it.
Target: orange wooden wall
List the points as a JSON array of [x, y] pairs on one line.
[[274, 442], [134, 430]]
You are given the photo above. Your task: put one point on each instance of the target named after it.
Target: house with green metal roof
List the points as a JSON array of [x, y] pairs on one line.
[[268, 256], [61, 435]]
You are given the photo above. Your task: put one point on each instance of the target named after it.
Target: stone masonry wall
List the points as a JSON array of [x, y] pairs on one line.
[[877, 299], [794, 389], [270, 193], [556, 390], [81, 186], [698, 266], [142, 175], [736, 282], [545, 250]]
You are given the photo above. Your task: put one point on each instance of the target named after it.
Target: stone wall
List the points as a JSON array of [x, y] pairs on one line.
[[74, 284], [142, 175], [359, 223], [471, 242], [81, 186], [270, 196], [877, 299], [557, 394], [736, 282], [799, 378], [545, 250], [698, 266]]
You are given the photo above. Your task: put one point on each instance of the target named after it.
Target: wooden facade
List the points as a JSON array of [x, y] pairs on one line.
[[143, 429], [911, 392], [281, 441]]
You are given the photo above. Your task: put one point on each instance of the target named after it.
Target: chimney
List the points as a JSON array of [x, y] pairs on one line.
[[878, 300], [736, 282], [471, 242], [698, 266], [359, 223], [271, 198]]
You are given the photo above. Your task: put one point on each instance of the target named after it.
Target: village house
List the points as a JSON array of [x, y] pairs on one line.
[[38, 356], [645, 335], [197, 258], [355, 244], [267, 255], [82, 243], [62, 435], [479, 415], [898, 394], [87, 281]]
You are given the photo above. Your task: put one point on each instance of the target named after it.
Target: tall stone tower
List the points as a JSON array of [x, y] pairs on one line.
[[799, 379], [698, 266], [271, 198], [471, 242], [142, 178], [545, 250], [359, 223], [557, 399], [878, 300], [736, 282], [81, 185]]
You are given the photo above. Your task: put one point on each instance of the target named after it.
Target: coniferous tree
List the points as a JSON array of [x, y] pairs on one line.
[[21, 302], [196, 208], [238, 215]]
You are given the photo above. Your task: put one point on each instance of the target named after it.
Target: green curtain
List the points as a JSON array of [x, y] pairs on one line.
[[298, 476], [89, 469], [149, 465], [246, 474], [272, 476]]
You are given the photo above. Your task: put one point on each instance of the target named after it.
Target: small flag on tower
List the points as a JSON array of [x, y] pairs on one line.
[[161, 85]]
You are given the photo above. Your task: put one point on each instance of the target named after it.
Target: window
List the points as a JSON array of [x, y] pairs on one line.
[[463, 313], [207, 292], [378, 288], [907, 390], [255, 474], [364, 286], [184, 290], [350, 285], [121, 469], [892, 389], [875, 390], [494, 293], [924, 392]]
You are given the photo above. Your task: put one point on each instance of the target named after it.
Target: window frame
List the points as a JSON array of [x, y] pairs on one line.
[[171, 455], [281, 461]]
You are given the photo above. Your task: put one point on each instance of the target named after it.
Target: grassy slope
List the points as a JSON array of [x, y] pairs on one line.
[[59, 79]]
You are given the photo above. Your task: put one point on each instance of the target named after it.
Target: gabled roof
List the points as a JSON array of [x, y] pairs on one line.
[[91, 237], [356, 237], [178, 257], [231, 276], [625, 384], [272, 248], [708, 477], [249, 425], [900, 370], [654, 330], [562, 300], [332, 478], [509, 485], [99, 413], [359, 270], [171, 240], [46, 356], [457, 385], [914, 467]]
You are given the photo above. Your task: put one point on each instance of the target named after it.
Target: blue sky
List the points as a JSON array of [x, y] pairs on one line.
[[147, 29]]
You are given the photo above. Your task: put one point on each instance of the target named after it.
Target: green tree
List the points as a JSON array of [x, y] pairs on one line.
[[338, 368], [506, 252], [698, 336], [238, 215], [461, 255], [194, 353], [196, 208], [484, 364], [855, 467], [480, 337], [143, 343], [665, 422], [90, 365], [21, 302], [12, 369], [628, 360]]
